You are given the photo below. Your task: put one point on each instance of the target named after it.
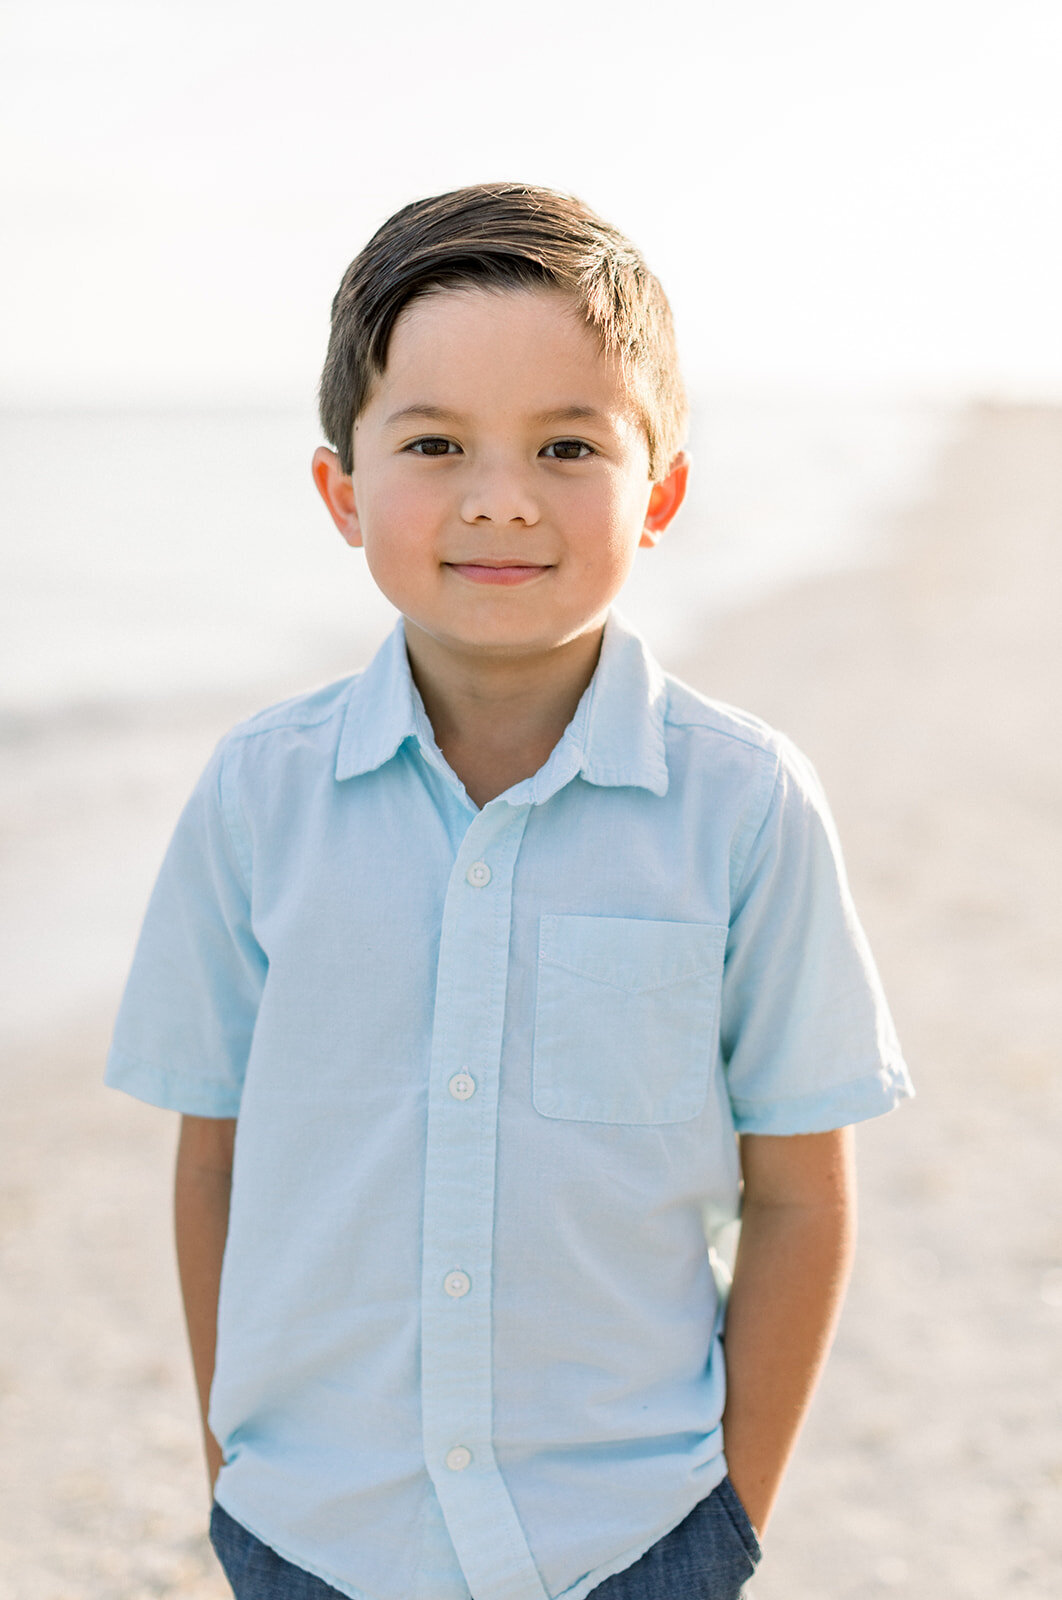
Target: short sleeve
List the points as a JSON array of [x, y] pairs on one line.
[[808, 1042], [187, 1016]]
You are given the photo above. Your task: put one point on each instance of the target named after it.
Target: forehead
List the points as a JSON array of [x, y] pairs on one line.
[[477, 348]]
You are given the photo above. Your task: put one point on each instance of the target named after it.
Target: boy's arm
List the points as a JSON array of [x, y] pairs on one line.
[[201, 1214], [793, 1262]]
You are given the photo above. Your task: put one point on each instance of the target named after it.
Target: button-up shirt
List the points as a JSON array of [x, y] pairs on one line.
[[487, 1066]]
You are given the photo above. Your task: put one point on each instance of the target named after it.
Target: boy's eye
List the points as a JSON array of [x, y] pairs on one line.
[[568, 449], [427, 447]]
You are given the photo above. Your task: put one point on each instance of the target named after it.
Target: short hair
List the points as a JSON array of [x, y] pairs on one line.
[[505, 236]]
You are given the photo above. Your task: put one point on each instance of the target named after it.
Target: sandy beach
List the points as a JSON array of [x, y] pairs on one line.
[[925, 690]]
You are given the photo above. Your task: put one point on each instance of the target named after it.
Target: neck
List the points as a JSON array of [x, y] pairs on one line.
[[497, 719]]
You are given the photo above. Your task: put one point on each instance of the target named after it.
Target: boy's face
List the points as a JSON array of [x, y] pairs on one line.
[[497, 522]]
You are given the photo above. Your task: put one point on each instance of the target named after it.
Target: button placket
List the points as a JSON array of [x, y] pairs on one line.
[[456, 1333]]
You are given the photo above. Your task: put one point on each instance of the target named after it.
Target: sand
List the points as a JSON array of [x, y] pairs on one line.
[[926, 692]]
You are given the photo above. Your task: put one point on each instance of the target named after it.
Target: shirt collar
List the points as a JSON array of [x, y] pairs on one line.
[[381, 712], [615, 739]]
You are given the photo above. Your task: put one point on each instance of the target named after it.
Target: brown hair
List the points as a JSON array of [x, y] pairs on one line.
[[507, 236]]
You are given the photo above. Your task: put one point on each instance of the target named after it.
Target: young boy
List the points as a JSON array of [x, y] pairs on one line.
[[465, 972]]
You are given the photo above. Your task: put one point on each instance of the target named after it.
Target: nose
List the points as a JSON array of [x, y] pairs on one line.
[[501, 495]]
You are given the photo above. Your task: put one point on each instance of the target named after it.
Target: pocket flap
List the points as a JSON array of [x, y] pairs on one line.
[[631, 954]]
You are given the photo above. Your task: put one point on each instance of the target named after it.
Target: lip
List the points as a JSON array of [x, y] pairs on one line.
[[503, 572]]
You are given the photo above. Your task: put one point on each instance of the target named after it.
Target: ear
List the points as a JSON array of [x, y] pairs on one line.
[[665, 500], [336, 489]]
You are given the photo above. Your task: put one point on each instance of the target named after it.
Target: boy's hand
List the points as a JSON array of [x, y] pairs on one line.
[[793, 1262]]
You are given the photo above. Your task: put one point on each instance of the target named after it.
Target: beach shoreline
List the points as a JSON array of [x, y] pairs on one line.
[[922, 690]]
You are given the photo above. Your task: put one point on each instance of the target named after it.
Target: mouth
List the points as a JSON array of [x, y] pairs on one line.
[[499, 570]]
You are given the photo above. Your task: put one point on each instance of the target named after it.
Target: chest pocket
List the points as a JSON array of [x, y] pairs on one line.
[[626, 1018]]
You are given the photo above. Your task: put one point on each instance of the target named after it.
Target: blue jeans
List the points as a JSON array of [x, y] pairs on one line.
[[709, 1556]]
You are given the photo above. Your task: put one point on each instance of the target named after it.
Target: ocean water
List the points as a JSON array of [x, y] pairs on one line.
[[163, 574], [152, 554]]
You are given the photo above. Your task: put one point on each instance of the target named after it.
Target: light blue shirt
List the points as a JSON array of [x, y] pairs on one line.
[[488, 1067]]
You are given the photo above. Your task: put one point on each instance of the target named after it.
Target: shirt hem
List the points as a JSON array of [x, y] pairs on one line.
[[296, 1560], [587, 1584], [576, 1591]]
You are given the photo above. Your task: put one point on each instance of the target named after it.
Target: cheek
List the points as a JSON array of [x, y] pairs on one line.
[[620, 527], [601, 511], [607, 549], [397, 515]]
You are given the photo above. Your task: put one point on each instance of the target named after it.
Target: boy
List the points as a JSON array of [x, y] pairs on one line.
[[465, 971]]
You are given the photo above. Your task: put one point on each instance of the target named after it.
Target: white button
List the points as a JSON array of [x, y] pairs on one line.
[[458, 1458], [462, 1086], [457, 1284], [478, 874]]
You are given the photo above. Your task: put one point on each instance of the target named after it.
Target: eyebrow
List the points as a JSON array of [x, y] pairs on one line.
[[571, 413]]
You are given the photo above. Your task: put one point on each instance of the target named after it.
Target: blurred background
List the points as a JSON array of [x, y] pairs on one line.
[[857, 214]]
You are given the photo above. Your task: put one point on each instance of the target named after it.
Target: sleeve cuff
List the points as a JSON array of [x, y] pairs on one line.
[[172, 1091], [872, 1094]]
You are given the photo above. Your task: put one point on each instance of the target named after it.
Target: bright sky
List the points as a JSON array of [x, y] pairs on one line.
[[834, 192]]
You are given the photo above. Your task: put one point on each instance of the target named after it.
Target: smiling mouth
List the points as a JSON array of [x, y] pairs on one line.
[[498, 571]]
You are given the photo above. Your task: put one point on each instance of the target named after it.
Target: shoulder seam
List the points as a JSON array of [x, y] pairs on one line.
[[297, 711], [729, 722], [249, 730], [764, 747]]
